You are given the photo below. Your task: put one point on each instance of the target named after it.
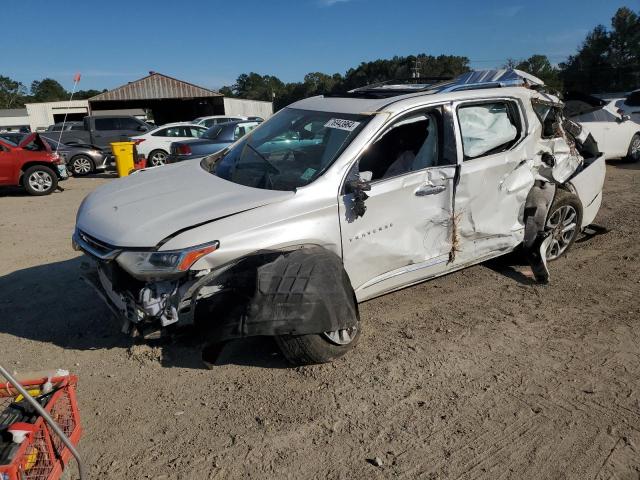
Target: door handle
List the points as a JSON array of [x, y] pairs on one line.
[[425, 190]]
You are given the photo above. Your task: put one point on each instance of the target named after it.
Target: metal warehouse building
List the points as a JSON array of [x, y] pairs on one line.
[[13, 118], [172, 100]]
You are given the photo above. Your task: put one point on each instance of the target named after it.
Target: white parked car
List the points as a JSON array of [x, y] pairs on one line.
[[212, 120], [339, 199], [613, 124], [155, 144]]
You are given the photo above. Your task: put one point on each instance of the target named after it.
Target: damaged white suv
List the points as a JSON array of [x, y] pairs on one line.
[[336, 200]]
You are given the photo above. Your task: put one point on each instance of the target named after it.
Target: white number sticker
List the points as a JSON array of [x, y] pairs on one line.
[[340, 124]]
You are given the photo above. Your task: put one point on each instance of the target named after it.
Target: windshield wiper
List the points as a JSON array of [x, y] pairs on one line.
[[265, 159]]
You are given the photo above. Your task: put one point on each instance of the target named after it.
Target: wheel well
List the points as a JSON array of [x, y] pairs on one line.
[[300, 291], [28, 165]]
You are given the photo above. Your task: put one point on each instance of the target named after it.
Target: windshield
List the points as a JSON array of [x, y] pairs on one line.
[[290, 150]]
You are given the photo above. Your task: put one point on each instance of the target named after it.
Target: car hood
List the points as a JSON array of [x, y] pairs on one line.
[[145, 208]]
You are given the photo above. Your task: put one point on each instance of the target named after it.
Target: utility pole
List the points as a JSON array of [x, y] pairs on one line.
[[415, 71]]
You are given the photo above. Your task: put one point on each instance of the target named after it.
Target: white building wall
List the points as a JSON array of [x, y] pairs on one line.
[[41, 114], [13, 122], [247, 108]]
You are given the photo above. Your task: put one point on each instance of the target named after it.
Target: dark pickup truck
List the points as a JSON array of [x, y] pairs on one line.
[[100, 131]]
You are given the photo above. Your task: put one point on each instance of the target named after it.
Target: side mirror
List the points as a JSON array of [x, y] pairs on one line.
[[142, 128], [358, 186], [623, 116]]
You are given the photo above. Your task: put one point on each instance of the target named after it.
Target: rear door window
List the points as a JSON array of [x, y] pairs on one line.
[[106, 123], [488, 128], [128, 123]]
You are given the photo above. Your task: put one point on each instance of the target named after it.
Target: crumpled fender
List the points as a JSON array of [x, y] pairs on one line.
[[296, 292]]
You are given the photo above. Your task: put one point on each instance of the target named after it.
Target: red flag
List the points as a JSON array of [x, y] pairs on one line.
[[76, 78]]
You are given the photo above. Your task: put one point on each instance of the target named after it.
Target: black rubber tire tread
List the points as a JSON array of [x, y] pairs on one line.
[[562, 198], [35, 168], [629, 157], [72, 161], [312, 349], [316, 348]]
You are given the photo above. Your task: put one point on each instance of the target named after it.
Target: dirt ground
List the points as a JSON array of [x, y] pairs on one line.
[[479, 374]]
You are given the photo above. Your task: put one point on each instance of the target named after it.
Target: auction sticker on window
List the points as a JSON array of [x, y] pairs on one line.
[[341, 124]]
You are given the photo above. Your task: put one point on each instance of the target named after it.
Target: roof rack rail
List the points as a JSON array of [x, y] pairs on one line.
[[392, 88], [473, 80]]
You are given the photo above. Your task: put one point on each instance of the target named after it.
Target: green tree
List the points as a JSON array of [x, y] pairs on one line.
[[84, 94], [12, 93], [608, 60], [539, 66], [47, 90]]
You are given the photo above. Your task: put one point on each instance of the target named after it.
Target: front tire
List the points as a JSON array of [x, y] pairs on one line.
[[318, 348], [81, 165], [39, 180], [564, 223], [633, 153], [157, 158]]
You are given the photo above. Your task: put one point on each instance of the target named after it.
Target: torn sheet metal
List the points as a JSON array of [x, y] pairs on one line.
[[588, 183]]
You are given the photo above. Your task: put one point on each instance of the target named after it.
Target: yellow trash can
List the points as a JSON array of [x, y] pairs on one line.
[[123, 151]]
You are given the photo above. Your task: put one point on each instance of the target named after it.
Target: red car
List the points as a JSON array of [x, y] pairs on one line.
[[31, 164]]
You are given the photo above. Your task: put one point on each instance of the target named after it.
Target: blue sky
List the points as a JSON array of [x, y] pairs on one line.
[[210, 42]]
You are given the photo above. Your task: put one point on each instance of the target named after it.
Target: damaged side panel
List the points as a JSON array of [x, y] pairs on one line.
[[588, 184]]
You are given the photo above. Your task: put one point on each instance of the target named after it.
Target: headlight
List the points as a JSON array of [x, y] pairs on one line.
[[163, 264]]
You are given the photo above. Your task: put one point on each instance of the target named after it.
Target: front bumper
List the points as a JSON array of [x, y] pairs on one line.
[[61, 170]]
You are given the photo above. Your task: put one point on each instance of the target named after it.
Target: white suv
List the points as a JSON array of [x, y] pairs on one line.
[[339, 199]]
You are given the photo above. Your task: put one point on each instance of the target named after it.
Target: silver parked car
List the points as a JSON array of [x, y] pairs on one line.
[[339, 199], [81, 159]]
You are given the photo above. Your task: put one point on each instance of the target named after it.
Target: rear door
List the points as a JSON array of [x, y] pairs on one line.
[[130, 126], [495, 178], [107, 130]]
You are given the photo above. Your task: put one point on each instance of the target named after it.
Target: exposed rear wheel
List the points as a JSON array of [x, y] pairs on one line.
[[564, 223], [157, 158], [633, 153], [40, 180]]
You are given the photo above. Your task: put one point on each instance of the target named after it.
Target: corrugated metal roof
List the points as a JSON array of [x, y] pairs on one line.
[[155, 86], [13, 112]]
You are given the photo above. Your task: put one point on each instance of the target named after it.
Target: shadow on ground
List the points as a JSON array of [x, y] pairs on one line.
[[512, 266], [624, 164], [51, 304]]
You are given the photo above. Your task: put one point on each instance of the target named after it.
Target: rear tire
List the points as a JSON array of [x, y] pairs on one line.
[[39, 180], [564, 222], [157, 158], [633, 153], [81, 165], [317, 348]]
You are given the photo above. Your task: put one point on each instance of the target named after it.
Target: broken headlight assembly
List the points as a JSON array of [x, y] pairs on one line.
[[145, 265]]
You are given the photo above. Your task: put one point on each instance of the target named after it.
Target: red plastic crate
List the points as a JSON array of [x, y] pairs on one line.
[[42, 455]]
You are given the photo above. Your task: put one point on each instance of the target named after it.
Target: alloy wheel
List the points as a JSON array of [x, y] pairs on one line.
[[562, 225], [81, 166], [158, 158], [40, 181], [634, 151], [342, 337]]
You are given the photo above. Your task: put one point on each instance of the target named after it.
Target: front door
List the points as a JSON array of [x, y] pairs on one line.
[[404, 231]]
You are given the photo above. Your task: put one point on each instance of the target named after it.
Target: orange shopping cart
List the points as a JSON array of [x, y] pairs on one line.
[[39, 426]]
